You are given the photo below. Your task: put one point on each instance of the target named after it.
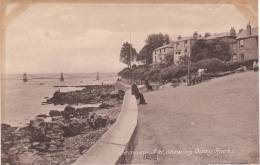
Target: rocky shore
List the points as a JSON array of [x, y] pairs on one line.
[[60, 137], [89, 95]]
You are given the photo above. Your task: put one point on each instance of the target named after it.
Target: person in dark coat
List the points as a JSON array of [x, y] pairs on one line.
[[148, 86], [137, 94]]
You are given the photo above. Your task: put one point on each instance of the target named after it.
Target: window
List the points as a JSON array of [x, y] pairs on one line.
[[177, 45], [154, 58], [185, 42], [234, 46], [160, 50], [164, 49], [155, 52], [241, 43], [242, 57], [234, 57]]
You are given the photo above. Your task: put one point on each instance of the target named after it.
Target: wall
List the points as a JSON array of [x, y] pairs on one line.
[[110, 147], [250, 49]]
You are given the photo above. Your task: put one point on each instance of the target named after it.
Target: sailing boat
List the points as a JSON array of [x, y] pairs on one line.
[[97, 77]]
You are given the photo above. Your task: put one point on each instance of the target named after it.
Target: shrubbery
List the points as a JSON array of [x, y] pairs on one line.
[[160, 72], [212, 65], [235, 65]]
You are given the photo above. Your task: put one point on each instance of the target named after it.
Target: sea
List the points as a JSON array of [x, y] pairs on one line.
[[23, 101]]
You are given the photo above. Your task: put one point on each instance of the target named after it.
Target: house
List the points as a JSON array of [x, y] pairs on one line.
[[227, 37], [243, 45], [182, 46], [246, 46], [160, 54]]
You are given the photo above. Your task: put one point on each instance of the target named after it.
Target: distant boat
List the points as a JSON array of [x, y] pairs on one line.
[[97, 77], [61, 77], [25, 77]]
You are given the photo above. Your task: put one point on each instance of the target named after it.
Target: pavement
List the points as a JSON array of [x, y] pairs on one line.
[[212, 122]]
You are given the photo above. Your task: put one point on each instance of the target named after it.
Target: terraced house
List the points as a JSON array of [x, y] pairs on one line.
[[243, 45], [246, 46], [183, 45]]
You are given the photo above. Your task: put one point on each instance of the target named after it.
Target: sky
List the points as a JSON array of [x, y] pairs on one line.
[[87, 38]]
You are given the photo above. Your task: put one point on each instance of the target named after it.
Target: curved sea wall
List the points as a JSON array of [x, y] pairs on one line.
[[110, 148]]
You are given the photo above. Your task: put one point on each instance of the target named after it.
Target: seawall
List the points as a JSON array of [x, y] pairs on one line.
[[110, 148]]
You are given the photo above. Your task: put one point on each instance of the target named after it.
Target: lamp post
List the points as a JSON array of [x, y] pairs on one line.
[[130, 51], [188, 74]]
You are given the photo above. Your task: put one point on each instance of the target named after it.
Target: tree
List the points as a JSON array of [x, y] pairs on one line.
[[184, 60], [127, 53], [168, 60], [203, 49], [152, 42]]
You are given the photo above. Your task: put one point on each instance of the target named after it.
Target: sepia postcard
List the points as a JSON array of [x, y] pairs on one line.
[[129, 82]]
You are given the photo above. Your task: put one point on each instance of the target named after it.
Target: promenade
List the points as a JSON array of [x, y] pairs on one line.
[[211, 122]]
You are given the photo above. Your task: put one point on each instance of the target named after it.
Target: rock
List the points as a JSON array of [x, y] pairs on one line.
[[83, 149], [35, 144], [105, 105], [74, 127], [68, 112], [47, 136], [58, 119], [115, 94], [97, 121], [28, 158], [111, 120], [42, 116], [54, 113], [84, 112], [42, 147], [54, 130], [37, 128]]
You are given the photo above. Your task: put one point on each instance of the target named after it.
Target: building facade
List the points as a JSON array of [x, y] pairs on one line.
[[182, 47], [243, 45], [246, 46], [160, 54]]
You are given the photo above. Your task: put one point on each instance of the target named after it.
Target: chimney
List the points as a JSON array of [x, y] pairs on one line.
[[207, 34], [248, 29], [232, 31], [195, 35]]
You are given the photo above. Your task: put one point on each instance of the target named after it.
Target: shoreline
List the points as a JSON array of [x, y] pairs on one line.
[[66, 134]]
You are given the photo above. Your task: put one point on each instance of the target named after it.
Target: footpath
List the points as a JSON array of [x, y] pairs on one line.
[[211, 122]]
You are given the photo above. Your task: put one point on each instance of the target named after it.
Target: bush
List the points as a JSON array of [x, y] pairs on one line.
[[212, 65], [162, 72], [125, 73], [235, 65]]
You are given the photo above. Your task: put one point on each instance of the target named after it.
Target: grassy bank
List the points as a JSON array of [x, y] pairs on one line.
[[162, 72]]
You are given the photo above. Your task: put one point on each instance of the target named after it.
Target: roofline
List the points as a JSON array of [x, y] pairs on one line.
[[256, 35], [164, 47]]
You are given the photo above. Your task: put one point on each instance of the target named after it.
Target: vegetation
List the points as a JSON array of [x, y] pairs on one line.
[[203, 49], [127, 53], [163, 72], [152, 42]]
